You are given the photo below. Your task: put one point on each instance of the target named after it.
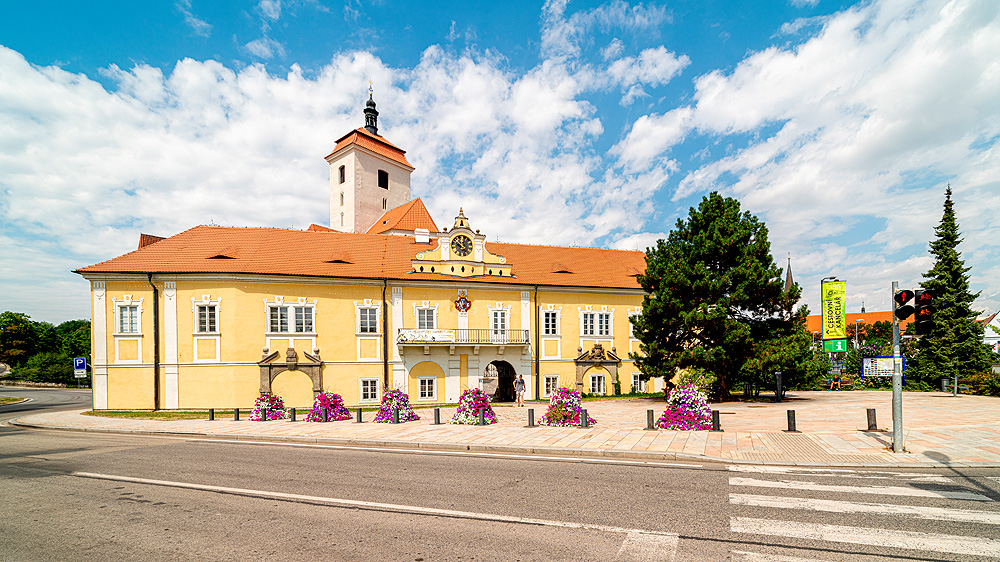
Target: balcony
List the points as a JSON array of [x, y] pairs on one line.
[[475, 336]]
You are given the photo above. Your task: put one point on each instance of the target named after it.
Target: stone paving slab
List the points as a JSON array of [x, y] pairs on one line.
[[939, 430]]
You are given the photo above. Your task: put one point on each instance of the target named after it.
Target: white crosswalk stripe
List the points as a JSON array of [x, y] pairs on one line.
[[907, 486], [646, 547]]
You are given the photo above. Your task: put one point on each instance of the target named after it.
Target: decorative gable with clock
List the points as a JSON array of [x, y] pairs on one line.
[[461, 252]]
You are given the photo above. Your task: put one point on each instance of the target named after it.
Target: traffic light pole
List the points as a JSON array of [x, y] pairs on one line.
[[897, 379]]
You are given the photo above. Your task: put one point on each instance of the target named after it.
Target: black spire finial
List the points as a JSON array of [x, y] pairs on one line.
[[371, 114]]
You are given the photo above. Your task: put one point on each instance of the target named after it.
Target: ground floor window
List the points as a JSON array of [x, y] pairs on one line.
[[427, 388], [597, 384], [638, 385], [551, 384], [369, 390]]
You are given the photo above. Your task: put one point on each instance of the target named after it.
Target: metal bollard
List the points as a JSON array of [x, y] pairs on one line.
[[649, 420], [584, 419], [395, 416], [715, 421], [531, 417], [263, 414], [236, 414], [437, 416], [482, 416], [291, 412], [358, 420], [791, 422], [872, 425], [326, 415], [211, 414]]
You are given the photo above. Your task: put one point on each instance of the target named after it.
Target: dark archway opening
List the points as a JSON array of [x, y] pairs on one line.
[[505, 381]]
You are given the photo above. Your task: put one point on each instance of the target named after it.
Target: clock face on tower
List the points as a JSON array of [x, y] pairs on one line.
[[461, 246]]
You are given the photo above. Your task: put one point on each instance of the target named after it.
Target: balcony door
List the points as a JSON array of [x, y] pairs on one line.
[[498, 327]]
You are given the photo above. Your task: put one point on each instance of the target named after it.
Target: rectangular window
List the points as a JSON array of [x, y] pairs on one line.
[[427, 388], [425, 319], [551, 323], [207, 319], [604, 324], [128, 319], [596, 324], [551, 384], [588, 324], [343, 178], [369, 390], [638, 385], [498, 333], [304, 319], [278, 319], [368, 320], [597, 384], [631, 326], [383, 179]]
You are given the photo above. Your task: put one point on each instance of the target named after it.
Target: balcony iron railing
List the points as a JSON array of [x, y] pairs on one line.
[[474, 336]]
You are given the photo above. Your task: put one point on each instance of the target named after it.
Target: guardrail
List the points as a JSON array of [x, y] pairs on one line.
[[477, 336]]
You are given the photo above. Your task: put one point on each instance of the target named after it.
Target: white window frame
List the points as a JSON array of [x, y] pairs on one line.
[[361, 390], [368, 304], [591, 324], [420, 388], [197, 334], [603, 388], [639, 385], [291, 323], [545, 322], [127, 302], [425, 307], [548, 389], [499, 335]]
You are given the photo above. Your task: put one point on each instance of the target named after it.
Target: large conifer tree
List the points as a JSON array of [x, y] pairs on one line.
[[715, 298], [956, 345]]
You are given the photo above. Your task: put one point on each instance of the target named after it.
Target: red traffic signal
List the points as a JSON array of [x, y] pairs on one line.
[[923, 322], [903, 308]]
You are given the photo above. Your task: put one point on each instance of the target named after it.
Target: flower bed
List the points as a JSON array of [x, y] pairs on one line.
[[469, 404], [332, 404], [564, 409], [687, 410], [275, 408], [392, 401]]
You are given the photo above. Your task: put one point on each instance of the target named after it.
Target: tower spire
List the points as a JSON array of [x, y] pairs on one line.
[[371, 114]]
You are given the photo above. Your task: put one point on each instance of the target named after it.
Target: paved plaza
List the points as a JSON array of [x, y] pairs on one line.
[[939, 430]]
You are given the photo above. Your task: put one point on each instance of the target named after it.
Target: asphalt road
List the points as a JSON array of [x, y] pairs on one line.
[[84, 496]]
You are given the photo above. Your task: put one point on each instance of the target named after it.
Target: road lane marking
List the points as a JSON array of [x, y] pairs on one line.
[[887, 538], [442, 452], [880, 490], [396, 508], [842, 473], [834, 506], [645, 547], [758, 557]]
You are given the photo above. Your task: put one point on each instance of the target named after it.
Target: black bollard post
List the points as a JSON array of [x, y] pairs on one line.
[[263, 414], [872, 425], [291, 412], [531, 417], [211, 414], [437, 416], [236, 414], [649, 420], [482, 416], [791, 422], [395, 415], [584, 419], [777, 386], [358, 420], [326, 415], [715, 421]]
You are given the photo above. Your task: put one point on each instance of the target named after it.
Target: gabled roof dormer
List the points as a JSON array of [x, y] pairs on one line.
[[461, 252]]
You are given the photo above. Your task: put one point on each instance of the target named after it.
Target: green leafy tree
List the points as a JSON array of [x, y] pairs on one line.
[[715, 298], [74, 338], [48, 366], [17, 338], [956, 347]]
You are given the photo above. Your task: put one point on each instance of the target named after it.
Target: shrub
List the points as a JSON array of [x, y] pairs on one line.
[[48, 367], [564, 409], [275, 408], [332, 404], [395, 400], [987, 383], [694, 376], [469, 404], [687, 409]]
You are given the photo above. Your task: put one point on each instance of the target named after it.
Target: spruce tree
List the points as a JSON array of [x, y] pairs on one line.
[[955, 347]]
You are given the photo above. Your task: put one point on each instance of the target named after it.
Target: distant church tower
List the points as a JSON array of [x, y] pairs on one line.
[[368, 176]]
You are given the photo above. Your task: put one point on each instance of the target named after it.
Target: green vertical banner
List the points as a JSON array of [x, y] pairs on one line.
[[835, 310]]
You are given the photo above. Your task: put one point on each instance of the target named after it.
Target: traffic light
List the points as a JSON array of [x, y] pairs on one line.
[[923, 322], [903, 308]]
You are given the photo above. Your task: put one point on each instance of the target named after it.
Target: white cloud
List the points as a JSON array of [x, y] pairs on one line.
[[269, 9], [562, 35], [653, 67], [804, 3], [265, 48], [199, 26]]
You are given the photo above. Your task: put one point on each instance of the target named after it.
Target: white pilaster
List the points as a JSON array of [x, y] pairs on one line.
[[453, 379], [397, 321], [170, 344], [99, 337]]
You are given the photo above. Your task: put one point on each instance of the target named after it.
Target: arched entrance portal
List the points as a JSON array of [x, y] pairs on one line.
[[504, 373]]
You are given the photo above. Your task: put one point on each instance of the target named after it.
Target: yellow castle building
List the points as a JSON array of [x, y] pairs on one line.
[[382, 298]]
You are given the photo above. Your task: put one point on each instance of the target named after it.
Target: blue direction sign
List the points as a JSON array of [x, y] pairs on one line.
[[80, 367]]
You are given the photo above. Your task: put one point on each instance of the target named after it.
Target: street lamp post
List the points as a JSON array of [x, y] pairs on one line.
[[856, 320]]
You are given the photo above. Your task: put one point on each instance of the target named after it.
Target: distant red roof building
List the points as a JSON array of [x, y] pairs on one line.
[[408, 217]]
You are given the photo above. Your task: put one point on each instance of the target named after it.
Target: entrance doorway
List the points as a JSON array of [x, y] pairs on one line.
[[505, 375]]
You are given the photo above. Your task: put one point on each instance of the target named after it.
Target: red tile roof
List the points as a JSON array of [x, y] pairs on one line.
[[814, 322], [409, 216], [374, 143], [147, 239], [273, 251]]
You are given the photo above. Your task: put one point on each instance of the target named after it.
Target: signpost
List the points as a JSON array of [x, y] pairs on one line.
[[833, 293], [80, 368]]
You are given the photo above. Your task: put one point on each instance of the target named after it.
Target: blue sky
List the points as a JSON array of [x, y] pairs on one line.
[[577, 123]]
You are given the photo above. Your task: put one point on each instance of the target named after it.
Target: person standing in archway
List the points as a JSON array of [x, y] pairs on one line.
[[519, 389]]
